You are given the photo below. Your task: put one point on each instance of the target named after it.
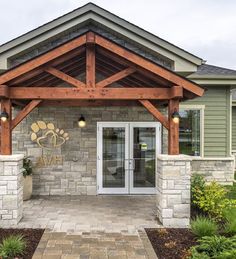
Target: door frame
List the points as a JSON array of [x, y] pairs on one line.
[[129, 125], [157, 126]]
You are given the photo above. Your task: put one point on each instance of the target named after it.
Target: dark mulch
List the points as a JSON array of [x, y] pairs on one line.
[[32, 237], [171, 243]]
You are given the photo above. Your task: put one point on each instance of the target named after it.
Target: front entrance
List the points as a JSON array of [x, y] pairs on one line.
[[126, 158]]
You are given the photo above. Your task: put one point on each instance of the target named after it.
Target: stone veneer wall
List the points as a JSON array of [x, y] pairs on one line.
[[77, 174], [217, 169], [173, 190], [11, 189]]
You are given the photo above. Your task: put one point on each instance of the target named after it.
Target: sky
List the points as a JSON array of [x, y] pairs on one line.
[[206, 28]]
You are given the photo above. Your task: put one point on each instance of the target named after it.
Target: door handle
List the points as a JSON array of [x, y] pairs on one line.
[[132, 163]]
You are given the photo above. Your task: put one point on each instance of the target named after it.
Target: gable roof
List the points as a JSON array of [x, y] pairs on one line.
[[183, 60], [209, 70]]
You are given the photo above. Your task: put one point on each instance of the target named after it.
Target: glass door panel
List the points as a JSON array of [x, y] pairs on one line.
[[143, 156], [112, 158]]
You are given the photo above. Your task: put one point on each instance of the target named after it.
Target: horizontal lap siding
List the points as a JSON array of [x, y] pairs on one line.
[[234, 128], [216, 119]]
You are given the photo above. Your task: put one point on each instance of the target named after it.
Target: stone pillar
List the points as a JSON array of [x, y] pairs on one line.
[[173, 190], [11, 189]]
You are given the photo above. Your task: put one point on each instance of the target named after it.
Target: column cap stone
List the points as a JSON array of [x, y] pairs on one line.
[[9, 158], [165, 157]]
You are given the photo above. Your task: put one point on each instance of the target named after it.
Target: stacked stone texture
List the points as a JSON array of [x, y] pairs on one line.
[[11, 189], [173, 190], [78, 174], [219, 170]]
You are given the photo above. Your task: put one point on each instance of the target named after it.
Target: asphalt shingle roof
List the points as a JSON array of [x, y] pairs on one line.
[[214, 70]]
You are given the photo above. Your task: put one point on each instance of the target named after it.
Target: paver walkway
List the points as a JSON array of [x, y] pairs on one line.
[[92, 227]]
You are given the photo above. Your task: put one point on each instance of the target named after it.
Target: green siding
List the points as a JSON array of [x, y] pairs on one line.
[[216, 120], [234, 128]]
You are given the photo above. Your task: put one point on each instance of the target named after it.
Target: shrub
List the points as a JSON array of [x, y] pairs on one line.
[[214, 246], [197, 184], [212, 200], [229, 216], [27, 167], [12, 246], [203, 226]]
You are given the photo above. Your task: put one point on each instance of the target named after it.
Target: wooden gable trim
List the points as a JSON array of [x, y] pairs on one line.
[[38, 61], [168, 75]]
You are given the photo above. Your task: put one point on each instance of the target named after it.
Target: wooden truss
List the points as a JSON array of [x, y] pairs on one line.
[[127, 79]]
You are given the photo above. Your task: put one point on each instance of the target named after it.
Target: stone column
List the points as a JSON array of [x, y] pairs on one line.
[[11, 189], [173, 190]]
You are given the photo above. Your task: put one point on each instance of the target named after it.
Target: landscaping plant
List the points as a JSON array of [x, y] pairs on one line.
[[214, 247], [12, 246], [27, 167], [203, 226], [212, 200], [197, 185], [229, 216]]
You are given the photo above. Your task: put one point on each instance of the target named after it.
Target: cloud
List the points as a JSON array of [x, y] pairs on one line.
[[207, 28]]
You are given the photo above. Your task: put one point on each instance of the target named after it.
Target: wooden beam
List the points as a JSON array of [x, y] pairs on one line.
[[61, 93], [54, 62], [66, 78], [6, 133], [4, 91], [173, 134], [115, 77], [43, 59], [24, 112], [90, 60], [140, 61], [89, 103], [154, 111]]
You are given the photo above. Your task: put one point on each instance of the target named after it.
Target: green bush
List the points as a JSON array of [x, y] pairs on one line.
[[214, 247], [203, 226], [12, 246], [197, 184], [212, 200], [229, 216], [27, 167]]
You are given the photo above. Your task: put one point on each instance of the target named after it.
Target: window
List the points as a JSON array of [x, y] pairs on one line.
[[190, 133]]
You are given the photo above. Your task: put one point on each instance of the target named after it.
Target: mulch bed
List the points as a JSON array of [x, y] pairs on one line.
[[171, 243], [32, 237]]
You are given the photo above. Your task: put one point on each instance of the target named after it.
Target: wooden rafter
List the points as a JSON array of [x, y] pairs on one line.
[[61, 93], [140, 61], [154, 111], [66, 78], [38, 61], [24, 112], [116, 77]]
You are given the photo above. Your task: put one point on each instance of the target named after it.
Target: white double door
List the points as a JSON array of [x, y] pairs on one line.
[[126, 157]]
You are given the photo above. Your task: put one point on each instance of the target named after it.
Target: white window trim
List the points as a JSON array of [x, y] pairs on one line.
[[200, 107]]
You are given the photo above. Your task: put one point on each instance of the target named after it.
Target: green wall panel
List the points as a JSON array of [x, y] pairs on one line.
[[216, 120], [234, 128]]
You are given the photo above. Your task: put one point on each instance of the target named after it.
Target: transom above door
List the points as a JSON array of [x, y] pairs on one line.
[[126, 157]]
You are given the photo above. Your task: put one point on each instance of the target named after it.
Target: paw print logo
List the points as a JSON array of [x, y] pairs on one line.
[[47, 136]]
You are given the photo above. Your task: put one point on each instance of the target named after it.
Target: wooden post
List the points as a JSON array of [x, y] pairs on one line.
[[6, 133], [90, 60], [173, 134]]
